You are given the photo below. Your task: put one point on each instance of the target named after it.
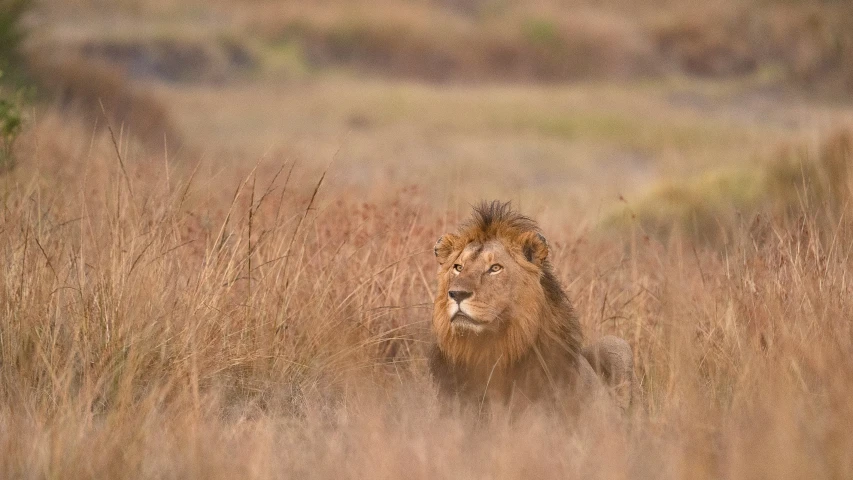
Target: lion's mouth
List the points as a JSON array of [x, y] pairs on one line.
[[462, 320]]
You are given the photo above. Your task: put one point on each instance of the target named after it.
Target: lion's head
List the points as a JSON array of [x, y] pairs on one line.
[[497, 296]]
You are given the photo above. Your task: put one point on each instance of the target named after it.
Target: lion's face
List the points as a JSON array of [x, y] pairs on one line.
[[484, 286], [489, 295]]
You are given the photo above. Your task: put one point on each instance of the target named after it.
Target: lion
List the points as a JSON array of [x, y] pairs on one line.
[[506, 331]]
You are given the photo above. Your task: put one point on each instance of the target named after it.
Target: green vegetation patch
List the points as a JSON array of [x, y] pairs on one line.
[[702, 207], [11, 30], [797, 183], [544, 32], [10, 127]]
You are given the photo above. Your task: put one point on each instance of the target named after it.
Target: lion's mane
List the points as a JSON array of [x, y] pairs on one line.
[[540, 345]]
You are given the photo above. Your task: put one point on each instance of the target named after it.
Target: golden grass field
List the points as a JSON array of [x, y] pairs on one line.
[[241, 286]]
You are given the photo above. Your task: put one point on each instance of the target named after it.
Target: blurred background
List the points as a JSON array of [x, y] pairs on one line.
[[179, 301], [665, 105]]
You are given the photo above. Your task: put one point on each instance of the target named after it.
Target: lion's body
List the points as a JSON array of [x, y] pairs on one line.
[[506, 331], [613, 361], [532, 379]]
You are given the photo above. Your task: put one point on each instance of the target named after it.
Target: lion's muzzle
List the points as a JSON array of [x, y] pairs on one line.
[[459, 295]]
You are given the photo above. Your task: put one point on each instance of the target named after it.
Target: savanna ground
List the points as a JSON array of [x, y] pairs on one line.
[[216, 234]]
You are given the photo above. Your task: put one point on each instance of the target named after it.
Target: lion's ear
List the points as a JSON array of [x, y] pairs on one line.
[[444, 247], [535, 247]]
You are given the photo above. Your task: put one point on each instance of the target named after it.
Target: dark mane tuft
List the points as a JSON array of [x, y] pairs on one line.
[[491, 218]]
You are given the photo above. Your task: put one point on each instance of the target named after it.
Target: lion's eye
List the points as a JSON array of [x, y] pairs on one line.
[[457, 267], [495, 268]]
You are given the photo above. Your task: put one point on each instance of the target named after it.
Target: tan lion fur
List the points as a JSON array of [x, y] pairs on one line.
[[612, 359], [514, 338]]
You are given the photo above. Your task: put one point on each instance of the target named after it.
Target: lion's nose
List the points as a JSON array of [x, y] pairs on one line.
[[459, 295]]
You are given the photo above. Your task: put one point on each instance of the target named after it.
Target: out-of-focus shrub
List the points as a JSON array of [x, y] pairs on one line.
[[810, 45], [10, 127], [94, 89], [11, 30]]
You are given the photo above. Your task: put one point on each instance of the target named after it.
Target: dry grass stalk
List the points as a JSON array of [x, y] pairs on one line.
[[126, 350]]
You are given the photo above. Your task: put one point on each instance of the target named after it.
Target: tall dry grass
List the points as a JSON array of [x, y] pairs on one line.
[[164, 321]]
